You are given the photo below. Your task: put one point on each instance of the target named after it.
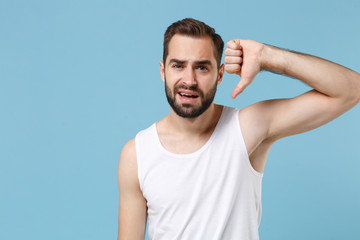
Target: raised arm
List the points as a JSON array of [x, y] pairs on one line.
[[336, 88], [132, 204]]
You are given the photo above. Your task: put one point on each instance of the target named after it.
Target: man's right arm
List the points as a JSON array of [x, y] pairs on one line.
[[132, 204]]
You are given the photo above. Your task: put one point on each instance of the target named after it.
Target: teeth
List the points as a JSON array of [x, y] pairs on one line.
[[187, 95]]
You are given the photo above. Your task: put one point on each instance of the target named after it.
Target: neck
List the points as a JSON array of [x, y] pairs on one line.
[[200, 125]]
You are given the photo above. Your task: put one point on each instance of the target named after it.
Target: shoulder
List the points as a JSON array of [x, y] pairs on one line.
[[254, 124], [127, 167], [256, 117], [129, 149]]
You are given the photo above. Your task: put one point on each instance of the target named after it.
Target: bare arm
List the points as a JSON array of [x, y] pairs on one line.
[[336, 89], [132, 204]]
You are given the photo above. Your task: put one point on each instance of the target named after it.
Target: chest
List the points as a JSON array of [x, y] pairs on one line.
[[179, 183], [184, 145]]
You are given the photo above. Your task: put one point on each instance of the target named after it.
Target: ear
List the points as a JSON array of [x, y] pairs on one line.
[[221, 73], [162, 71]]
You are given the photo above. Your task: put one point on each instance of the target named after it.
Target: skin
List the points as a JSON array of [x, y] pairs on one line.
[[336, 89], [182, 135]]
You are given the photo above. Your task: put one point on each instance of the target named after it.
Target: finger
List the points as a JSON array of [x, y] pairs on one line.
[[240, 87], [233, 68], [235, 92], [232, 52], [234, 44], [233, 60]]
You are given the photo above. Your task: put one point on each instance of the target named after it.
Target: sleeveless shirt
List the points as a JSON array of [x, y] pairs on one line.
[[211, 194]]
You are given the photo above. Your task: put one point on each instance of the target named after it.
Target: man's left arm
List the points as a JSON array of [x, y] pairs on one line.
[[336, 89]]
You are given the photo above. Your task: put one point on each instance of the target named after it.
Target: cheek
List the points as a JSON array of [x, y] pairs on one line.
[[171, 76], [207, 82]]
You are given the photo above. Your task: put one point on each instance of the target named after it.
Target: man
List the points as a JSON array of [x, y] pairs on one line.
[[196, 174]]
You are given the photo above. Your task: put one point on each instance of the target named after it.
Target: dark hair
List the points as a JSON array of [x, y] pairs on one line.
[[193, 28]]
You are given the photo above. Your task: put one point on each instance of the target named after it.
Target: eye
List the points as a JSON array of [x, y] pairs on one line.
[[177, 66], [202, 68]]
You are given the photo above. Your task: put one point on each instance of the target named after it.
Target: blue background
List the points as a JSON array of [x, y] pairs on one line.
[[80, 78]]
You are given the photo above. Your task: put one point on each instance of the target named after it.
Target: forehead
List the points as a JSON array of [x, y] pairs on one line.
[[191, 49]]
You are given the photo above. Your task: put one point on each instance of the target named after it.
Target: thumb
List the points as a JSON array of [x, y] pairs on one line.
[[249, 70], [244, 82]]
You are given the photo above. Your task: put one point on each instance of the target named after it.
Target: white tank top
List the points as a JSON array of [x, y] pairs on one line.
[[211, 194]]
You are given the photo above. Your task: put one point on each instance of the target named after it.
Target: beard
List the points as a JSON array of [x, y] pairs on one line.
[[188, 110]]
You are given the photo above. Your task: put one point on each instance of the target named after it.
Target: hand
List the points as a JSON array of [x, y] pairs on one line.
[[243, 59]]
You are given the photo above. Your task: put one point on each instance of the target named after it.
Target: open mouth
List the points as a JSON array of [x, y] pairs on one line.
[[186, 95]]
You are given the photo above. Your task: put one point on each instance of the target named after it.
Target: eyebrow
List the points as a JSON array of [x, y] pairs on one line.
[[201, 62], [204, 62], [174, 60]]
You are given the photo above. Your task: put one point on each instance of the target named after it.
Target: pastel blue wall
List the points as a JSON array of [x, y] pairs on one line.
[[80, 78]]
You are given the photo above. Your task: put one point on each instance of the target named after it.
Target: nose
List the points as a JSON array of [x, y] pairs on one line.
[[189, 77]]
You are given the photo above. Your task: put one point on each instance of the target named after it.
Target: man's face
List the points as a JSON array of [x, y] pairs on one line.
[[190, 75]]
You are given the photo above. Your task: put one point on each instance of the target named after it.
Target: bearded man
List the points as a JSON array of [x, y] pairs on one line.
[[197, 173]]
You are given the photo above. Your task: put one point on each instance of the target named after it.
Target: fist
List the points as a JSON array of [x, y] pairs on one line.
[[243, 58]]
